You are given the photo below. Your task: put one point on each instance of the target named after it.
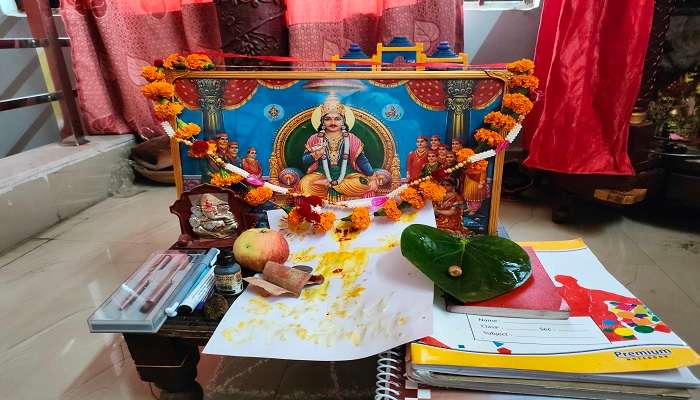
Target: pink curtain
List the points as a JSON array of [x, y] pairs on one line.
[[319, 29], [112, 40], [589, 60]]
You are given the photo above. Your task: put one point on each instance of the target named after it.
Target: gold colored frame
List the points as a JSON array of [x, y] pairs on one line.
[[501, 75]]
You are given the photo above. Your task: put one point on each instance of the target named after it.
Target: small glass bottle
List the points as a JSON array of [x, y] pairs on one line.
[[227, 273]]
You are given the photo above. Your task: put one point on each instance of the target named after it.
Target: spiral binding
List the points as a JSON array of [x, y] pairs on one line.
[[388, 376]]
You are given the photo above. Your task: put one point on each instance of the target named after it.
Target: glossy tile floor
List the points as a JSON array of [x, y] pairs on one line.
[[50, 284]]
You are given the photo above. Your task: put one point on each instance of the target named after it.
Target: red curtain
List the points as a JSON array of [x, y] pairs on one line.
[[590, 59], [319, 29], [112, 40]]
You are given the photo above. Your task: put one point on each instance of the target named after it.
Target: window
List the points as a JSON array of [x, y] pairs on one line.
[[501, 4]]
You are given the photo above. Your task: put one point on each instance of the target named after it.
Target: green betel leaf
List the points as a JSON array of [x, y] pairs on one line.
[[490, 265]]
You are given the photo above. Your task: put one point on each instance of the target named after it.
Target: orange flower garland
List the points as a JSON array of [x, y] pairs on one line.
[[158, 89], [477, 167], [488, 136], [225, 180], [432, 190], [198, 62], [517, 102], [500, 121], [186, 131], [174, 61], [528, 82], [325, 223], [360, 218], [168, 110], [413, 197], [522, 66], [391, 209], [464, 154], [151, 73], [258, 196], [294, 220]]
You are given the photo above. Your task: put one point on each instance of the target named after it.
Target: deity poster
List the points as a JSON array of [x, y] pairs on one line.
[[349, 135]]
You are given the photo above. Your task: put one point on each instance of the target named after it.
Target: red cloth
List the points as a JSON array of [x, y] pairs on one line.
[[589, 59], [319, 29], [111, 41]]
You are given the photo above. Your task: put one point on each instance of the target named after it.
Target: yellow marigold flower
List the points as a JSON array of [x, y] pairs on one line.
[[325, 223], [432, 190], [360, 218], [158, 89], [529, 82], [186, 131], [197, 62], [500, 121], [517, 102], [168, 110], [258, 195], [151, 73], [391, 209], [172, 60], [489, 137], [522, 66], [413, 197], [477, 167], [464, 154]]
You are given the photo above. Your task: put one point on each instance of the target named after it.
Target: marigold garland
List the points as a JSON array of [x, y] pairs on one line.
[[174, 61], [500, 121], [522, 66], [464, 154], [258, 195], [391, 210], [412, 197], [325, 223], [294, 220], [198, 62], [158, 89], [151, 73], [360, 218], [223, 179], [517, 102], [489, 137], [186, 131], [529, 82], [199, 149], [477, 167], [168, 110], [432, 190]]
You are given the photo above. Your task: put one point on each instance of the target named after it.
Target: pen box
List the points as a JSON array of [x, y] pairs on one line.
[[138, 304]]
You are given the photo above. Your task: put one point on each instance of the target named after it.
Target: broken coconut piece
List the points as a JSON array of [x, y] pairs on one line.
[[278, 279]]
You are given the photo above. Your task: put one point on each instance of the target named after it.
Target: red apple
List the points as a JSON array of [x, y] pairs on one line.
[[255, 247]]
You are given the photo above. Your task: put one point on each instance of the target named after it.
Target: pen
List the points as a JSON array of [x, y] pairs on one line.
[[164, 285], [160, 261]]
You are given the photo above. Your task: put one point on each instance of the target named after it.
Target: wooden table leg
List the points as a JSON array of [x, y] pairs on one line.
[[169, 363]]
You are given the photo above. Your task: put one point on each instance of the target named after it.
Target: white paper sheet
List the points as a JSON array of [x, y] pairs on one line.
[[372, 300]]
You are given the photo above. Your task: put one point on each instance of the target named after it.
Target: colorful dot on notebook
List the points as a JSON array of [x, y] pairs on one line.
[[662, 328], [504, 350], [655, 319], [607, 330], [498, 344], [641, 315], [624, 332], [644, 329], [614, 303], [631, 324], [608, 322], [640, 321], [625, 314], [460, 346]]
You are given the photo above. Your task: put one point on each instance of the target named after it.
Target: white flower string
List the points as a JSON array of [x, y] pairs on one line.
[[360, 203]]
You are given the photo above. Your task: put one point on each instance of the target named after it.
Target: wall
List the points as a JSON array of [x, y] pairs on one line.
[[30, 127]]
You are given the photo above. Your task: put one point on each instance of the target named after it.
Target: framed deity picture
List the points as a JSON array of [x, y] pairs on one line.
[[348, 134]]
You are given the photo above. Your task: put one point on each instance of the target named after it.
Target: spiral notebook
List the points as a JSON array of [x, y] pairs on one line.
[[397, 380]]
